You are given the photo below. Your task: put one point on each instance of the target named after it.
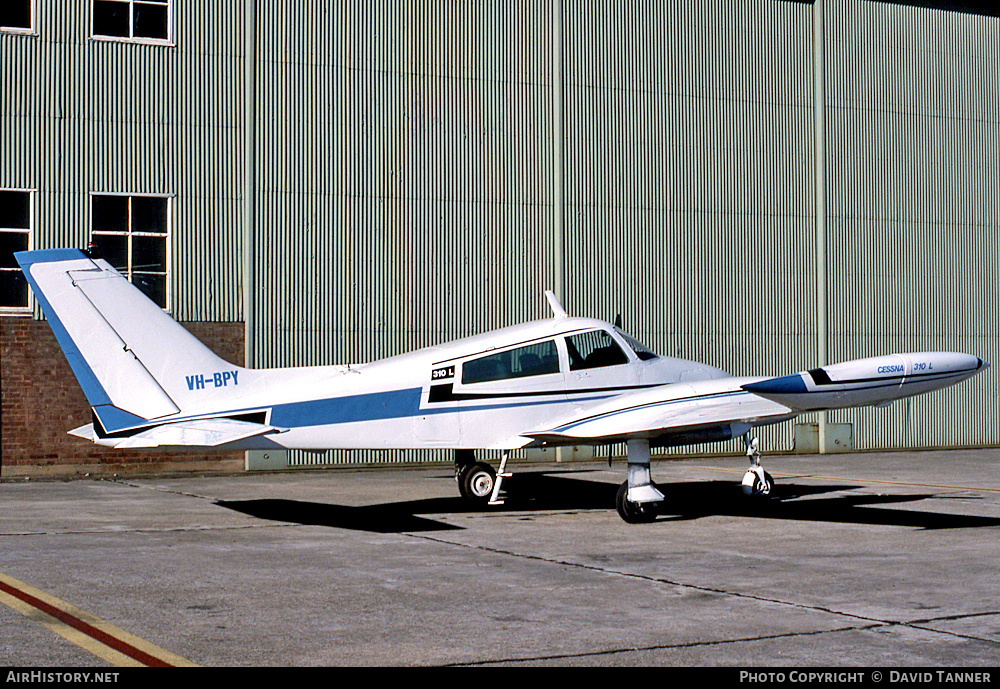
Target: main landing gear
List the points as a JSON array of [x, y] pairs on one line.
[[477, 481], [638, 499]]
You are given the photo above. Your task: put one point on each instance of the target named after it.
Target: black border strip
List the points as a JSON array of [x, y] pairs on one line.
[[505, 347], [445, 392], [820, 378]]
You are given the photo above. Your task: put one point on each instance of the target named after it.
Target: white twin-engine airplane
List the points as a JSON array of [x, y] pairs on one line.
[[552, 382]]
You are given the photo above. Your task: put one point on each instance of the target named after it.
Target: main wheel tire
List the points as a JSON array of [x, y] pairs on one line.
[[476, 482], [631, 512]]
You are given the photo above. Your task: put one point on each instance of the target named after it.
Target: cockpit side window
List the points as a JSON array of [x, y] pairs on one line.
[[640, 350], [533, 360], [594, 349]]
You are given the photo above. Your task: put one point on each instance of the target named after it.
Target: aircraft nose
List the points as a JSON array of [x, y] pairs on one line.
[[982, 364]]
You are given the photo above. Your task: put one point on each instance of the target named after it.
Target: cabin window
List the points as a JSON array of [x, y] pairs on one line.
[[640, 349], [533, 360], [594, 350]]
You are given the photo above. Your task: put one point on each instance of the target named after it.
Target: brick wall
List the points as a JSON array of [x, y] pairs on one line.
[[40, 401]]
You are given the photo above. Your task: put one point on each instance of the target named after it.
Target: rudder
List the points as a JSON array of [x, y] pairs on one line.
[[125, 351]]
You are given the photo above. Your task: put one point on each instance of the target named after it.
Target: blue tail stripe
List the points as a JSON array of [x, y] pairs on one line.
[[115, 420], [92, 388]]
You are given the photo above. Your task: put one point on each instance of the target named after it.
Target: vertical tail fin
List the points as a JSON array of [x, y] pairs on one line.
[[129, 356]]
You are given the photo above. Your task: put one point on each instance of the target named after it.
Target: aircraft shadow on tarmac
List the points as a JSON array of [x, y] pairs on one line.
[[545, 491]]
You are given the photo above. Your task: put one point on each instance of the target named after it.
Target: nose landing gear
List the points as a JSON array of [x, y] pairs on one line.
[[757, 483]]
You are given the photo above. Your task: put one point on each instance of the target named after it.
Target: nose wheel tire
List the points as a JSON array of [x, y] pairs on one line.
[[476, 481], [634, 512], [756, 487]]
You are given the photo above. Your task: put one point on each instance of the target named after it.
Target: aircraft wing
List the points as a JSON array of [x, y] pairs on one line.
[[683, 410], [726, 407], [196, 432]]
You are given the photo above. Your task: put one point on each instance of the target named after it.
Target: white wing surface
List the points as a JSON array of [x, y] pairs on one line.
[[682, 408]]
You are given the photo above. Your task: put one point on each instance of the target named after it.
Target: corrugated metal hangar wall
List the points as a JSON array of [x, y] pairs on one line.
[[914, 206], [689, 186], [412, 172]]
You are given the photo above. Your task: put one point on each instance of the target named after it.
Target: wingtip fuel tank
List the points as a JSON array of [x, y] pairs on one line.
[[868, 382]]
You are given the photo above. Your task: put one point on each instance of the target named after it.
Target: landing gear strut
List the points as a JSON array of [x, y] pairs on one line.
[[477, 481], [638, 499], [757, 483]]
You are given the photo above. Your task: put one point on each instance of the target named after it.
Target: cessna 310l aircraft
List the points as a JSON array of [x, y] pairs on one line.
[[558, 381]]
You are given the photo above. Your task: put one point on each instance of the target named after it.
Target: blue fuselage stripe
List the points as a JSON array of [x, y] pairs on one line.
[[375, 406], [349, 409]]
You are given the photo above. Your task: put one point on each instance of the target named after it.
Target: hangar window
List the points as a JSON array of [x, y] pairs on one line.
[[15, 235], [533, 360], [17, 16], [130, 233], [142, 21], [594, 350]]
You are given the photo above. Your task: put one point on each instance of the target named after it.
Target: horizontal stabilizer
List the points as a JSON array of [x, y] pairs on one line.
[[198, 432]]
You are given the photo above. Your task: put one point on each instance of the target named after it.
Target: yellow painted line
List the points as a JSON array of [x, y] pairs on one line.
[[820, 477], [90, 633]]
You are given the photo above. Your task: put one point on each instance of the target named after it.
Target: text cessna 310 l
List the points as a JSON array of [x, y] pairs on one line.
[[558, 381]]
